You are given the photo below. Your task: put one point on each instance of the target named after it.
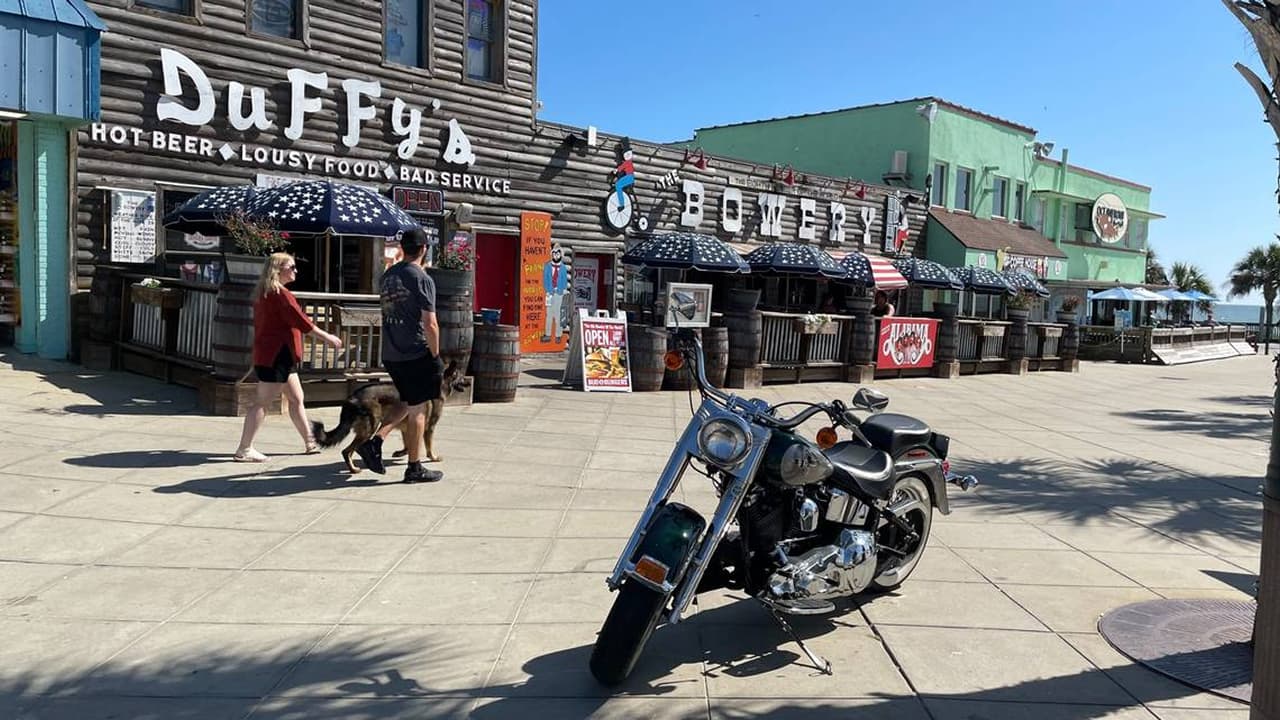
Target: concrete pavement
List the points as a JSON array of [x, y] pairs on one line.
[[144, 575]]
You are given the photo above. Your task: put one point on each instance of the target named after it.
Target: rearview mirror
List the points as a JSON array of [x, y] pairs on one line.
[[686, 305], [868, 399]]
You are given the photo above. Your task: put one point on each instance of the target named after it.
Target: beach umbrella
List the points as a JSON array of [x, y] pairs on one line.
[[1198, 296], [871, 271], [983, 281], [1023, 281], [927, 273], [329, 208], [1144, 295], [1125, 294], [206, 212], [1175, 294], [685, 251], [794, 259]]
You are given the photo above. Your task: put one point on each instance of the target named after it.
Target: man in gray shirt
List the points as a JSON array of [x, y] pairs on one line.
[[411, 354]]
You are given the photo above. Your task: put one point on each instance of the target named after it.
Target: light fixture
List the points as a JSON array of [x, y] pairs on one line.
[[928, 111], [11, 115], [1041, 149], [699, 158]]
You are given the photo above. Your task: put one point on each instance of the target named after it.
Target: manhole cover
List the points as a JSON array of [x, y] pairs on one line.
[[1203, 643]]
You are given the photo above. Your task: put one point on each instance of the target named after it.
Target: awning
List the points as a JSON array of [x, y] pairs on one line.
[[51, 52], [995, 235], [1082, 199]]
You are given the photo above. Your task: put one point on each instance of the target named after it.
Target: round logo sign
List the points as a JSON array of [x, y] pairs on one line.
[[1110, 218]]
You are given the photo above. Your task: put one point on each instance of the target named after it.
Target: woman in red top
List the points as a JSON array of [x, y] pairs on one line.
[[278, 326]]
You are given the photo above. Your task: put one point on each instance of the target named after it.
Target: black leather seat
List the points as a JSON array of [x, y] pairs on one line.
[[895, 433], [860, 467]]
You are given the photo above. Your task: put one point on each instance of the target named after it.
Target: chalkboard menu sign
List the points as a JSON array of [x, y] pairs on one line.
[[133, 226]]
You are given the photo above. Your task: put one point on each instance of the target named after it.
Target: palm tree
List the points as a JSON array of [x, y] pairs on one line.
[[1155, 271], [1189, 276], [1259, 270]]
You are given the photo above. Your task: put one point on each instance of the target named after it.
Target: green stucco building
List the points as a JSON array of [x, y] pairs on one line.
[[998, 197]]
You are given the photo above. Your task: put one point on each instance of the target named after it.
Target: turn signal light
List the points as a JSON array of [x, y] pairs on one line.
[[674, 360], [827, 438], [651, 570]]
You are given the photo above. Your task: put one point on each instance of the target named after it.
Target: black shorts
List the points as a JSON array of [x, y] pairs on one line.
[[417, 381], [279, 370]]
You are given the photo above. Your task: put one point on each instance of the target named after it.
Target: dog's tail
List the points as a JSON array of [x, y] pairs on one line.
[[350, 413]]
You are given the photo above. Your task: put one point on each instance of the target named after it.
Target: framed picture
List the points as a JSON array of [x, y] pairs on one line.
[[688, 305]]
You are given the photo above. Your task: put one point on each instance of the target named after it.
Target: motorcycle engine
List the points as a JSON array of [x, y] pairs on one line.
[[829, 571]]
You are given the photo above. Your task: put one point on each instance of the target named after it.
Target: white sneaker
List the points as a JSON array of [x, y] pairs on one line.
[[249, 455]]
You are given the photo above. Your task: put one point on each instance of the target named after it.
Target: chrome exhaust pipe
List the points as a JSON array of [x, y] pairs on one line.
[[964, 482]]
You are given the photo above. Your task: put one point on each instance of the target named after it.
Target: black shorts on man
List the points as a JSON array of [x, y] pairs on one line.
[[418, 381]]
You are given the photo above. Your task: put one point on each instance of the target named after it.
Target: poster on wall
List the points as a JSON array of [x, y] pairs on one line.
[[545, 286], [133, 226], [586, 278], [605, 365], [906, 343], [682, 294]]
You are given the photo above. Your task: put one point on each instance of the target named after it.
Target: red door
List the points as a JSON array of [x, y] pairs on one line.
[[497, 284]]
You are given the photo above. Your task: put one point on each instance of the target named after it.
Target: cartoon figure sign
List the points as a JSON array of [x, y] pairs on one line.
[[544, 282], [620, 207], [906, 343], [555, 283]]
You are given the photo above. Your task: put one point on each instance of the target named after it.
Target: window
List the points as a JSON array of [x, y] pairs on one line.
[[1135, 236], [1000, 197], [180, 7], [1019, 200], [964, 185], [406, 30], [484, 40], [277, 18], [1037, 215], [938, 195]]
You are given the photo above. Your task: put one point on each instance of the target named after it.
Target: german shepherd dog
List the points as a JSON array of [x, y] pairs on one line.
[[363, 411]]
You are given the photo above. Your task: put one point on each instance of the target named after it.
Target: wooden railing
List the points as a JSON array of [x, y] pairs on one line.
[[981, 339], [784, 344], [1044, 339], [356, 320]]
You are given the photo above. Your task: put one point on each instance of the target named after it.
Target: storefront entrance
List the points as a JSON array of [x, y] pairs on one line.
[[592, 281], [497, 275]]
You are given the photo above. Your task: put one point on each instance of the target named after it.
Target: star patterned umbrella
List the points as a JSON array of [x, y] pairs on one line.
[[685, 251], [867, 271], [1021, 280], [204, 213], [983, 281], [927, 274], [794, 259], [323, 206]]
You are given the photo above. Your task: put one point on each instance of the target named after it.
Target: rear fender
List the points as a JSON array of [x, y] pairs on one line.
[[670, 540], [931, 470]]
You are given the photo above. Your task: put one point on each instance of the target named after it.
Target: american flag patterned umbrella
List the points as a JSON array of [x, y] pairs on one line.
[[685, 251], [1021, 280], [983, 281], [927, 273], [204, 213], [794, 259], [869, 271], [324, 206]]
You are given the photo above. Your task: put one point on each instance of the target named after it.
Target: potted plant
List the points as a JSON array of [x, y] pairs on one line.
[[255, 239], [1067, 313], [1018, 307], [452, 269], [815, 324], [149, 291]]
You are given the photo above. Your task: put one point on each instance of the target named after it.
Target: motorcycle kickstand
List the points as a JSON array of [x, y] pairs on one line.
[[822, 664]]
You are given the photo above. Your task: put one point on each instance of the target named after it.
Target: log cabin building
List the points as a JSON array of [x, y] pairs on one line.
[[432, 102]]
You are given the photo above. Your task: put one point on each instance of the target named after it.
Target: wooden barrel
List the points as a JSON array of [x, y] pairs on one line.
[[646, 346], [457, 330], [744, 338], [715, 348], [948, 346], [495, 362], [232, 340]]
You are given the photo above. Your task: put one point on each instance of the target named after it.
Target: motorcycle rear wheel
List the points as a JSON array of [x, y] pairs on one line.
[[911, 495], [625, 632]]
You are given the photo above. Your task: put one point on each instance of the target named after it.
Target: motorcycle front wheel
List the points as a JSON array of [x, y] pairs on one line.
[[911, 501], [631, 621]]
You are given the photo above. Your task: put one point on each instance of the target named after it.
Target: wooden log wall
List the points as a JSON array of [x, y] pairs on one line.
[[344, 39]]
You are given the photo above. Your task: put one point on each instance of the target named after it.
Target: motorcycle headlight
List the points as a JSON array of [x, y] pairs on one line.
[[723, 442]]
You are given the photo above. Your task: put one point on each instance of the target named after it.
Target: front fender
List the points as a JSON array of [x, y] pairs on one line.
[[931, 470], [671, 539]]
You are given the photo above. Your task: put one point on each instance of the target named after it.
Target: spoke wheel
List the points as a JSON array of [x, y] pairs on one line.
[[910, 501]]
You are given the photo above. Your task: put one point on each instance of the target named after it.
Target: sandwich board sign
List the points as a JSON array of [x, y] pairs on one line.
[[598, 360]]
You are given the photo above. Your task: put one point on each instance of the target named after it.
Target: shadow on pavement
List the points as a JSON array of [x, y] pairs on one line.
[[275, 482], [116, 393], [1222, 425], [390, 677]]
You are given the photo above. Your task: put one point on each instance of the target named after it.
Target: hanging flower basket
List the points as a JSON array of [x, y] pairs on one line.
[[165, 298], [816, 325]]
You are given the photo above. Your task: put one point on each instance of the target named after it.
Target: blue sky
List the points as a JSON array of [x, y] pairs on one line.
[[1141, 91]]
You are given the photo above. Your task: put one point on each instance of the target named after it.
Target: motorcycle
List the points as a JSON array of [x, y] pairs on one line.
[[816, 520]]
